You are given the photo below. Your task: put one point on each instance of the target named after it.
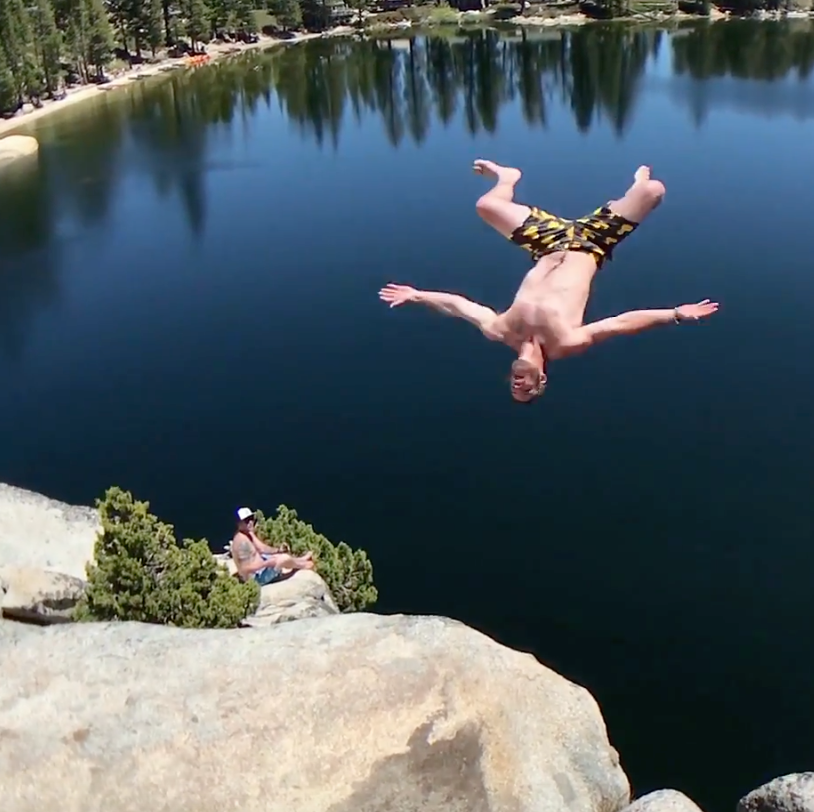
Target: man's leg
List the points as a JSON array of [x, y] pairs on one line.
[[283, 561], [641, 198], [497, 206]]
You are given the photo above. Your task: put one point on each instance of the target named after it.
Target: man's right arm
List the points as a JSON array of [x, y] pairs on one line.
[[451, 304]]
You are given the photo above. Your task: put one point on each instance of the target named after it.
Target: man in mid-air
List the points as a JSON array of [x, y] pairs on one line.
[[545, 320]]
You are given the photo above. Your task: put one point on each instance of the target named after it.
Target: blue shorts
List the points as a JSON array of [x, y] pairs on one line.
[[267, 576]]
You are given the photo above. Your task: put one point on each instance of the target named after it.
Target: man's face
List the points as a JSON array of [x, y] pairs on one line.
[[523, 389], [526, 381], [247, 525]]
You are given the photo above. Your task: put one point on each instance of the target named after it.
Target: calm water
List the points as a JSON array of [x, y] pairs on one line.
[[188, 309]]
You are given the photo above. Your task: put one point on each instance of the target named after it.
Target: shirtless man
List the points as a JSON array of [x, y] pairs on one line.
[[255, 559], [545, 321]]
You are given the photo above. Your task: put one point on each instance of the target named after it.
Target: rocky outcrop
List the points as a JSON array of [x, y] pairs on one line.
[[17, 146], [789, 793], [38, 596], [39, 532], [349, 713], [301, 595], [664, 800]]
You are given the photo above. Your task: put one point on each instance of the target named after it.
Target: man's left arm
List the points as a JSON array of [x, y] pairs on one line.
[[637, 321], [262, 547]]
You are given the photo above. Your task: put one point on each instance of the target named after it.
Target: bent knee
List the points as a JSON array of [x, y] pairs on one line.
[[487, 206]]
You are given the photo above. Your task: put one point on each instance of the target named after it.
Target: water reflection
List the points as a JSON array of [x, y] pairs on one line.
[[597, 70], [28, 281]]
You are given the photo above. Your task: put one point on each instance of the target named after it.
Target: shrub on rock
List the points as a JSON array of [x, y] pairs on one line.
[[348, 573], [142, 573]]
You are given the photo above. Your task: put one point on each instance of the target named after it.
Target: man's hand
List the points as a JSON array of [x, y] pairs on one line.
[[693, 312], [397, 295]]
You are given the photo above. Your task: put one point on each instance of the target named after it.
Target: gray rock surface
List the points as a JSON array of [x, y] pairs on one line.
[[304, 594], [17, 146], [38, 595], [349, 713], [39, 532], [663, 800], [788, 793]]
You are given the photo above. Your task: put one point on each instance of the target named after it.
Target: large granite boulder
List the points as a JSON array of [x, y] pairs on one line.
[[789, 793], [38, 596], [663, 800], [17, 146], [349, 713], [39, 532]]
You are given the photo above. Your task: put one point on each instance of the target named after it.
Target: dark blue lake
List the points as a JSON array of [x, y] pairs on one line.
[[188, 309]]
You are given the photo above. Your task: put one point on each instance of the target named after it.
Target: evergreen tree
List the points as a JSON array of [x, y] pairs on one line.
[[155, 25], [197, 20], [244, 15], [9, 97], [48, 44], [16, 39], [287, 12], [99, 41], [221, 16], [348, 573], [141, 573]]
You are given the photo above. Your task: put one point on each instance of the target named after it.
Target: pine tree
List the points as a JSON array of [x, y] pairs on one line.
[[99, 40], [347, 572], [155, 25], [287, 12], [17, 40], [197, 20], [48, 44], [141, 573], [244, 16], [9, 98]]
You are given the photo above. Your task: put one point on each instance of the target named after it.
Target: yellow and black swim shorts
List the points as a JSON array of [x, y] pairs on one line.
[[597, 234]]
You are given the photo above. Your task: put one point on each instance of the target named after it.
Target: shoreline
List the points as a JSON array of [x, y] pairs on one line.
[[216, 52]]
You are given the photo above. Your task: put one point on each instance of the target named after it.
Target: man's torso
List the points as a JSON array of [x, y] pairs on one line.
[[244, 552], [550, 302]]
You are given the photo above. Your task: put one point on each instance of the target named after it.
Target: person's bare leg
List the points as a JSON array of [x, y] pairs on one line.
[[283, 561], [641, 198], [497, 206]]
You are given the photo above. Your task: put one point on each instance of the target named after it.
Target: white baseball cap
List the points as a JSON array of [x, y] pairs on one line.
[[244, 513]]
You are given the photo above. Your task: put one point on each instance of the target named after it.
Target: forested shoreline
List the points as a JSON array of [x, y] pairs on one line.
[[50, 46]]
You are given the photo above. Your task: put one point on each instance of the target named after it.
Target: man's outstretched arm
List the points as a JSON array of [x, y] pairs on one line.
[[637, 321], [450, 304]]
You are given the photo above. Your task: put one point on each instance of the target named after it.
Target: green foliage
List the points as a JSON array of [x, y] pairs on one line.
[[99, 36], [8, 88], [140, 573], [49, 44], [287, 12], [197, 16], [348, 573], [155, 24]]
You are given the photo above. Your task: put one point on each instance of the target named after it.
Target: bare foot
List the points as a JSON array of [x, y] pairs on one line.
[[642, 174], [504, 174]]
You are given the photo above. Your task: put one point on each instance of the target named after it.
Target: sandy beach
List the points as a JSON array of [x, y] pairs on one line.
[[215, 52]]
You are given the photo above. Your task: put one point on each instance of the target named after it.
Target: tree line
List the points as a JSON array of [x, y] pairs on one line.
[[48, 44]]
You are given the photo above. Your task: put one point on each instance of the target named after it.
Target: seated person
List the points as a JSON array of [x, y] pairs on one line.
[[255, 559]]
